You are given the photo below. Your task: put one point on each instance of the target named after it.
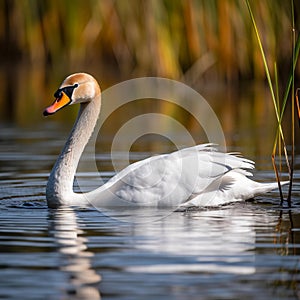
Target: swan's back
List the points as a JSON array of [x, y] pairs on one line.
[[193, 176]]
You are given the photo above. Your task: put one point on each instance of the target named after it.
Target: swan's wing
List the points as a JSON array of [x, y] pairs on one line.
[[152, 160], [170, 179]]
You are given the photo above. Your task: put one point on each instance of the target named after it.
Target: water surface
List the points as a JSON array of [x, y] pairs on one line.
[[241, 251]]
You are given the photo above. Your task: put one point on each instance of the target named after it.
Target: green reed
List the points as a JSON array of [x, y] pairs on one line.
[[279, 142]]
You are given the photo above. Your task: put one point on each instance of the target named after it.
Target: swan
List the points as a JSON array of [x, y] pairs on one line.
[[192, 177]]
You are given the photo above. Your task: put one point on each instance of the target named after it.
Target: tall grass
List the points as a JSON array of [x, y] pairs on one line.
[[153, 37], [280, 106]]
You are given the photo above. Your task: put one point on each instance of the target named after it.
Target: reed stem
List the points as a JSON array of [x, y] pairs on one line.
[[279, 141]]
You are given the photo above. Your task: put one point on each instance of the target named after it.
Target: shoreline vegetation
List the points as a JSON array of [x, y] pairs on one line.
[[209, 45], [183, 40]]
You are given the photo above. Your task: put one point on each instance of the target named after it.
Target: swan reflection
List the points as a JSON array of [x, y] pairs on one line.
[[82, 280], [211, 241]]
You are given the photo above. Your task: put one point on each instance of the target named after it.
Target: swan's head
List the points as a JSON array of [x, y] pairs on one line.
[[76, 88]]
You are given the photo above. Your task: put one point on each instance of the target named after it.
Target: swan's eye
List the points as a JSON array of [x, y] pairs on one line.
[[68, 90], [58, 94]]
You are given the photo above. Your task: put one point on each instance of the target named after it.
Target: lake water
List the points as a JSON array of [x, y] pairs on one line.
[[241, 251]]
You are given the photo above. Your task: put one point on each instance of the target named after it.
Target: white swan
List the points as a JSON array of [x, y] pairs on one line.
[[196, 176]]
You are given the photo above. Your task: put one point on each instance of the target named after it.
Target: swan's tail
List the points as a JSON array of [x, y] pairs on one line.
[[262, 188]]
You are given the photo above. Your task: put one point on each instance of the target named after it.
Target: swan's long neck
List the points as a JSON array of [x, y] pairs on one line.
[[60, 184]]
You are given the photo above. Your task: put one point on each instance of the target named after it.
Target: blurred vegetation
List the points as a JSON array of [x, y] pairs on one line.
[[191, 39], [199, 42]]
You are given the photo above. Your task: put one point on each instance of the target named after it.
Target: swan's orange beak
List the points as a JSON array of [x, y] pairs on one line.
[[58, 104]]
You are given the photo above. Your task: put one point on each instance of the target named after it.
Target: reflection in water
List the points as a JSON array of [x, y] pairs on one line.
[[288, 234], [75, 260], [230, 250], [218, 241], [246, 114]]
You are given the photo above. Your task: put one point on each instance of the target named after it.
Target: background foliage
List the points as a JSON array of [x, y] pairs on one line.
[[194, 39]]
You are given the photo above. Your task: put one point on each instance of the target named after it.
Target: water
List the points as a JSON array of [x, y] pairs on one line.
[[241, 251]]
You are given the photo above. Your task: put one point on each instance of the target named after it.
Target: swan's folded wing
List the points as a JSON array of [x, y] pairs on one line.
[[169, 180]]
